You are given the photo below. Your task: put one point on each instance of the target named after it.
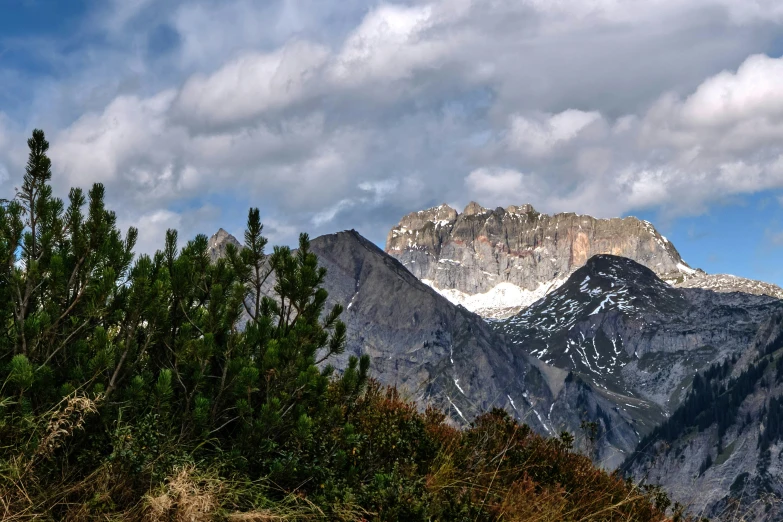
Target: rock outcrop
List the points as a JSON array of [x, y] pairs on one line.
[[219, 241], [496, 262]]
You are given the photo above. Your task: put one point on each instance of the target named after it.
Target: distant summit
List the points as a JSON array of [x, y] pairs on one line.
[[496, 262], [218, 242]]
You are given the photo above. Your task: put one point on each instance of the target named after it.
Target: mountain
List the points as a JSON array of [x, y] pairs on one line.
[[644, 346], [432, 350], [623, 329], [721, 451], [442, 354], [497, 262], [611, 355]]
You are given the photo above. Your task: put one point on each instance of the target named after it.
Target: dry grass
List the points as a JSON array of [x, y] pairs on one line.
[[185, 499], [194, 496], [18, 482], [66, 418]]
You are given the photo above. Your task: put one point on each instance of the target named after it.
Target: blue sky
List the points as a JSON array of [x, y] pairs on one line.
[[737, 237], [334, 115]]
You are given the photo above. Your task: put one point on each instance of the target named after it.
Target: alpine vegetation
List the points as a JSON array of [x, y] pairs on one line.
[[180, 387]]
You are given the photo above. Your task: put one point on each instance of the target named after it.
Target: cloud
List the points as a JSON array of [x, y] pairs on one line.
[[372, 194], [339, 115], [251, 85], [495, 184], [541, 135], [153, 226], [732, 111], [389, 45], [130, 141]]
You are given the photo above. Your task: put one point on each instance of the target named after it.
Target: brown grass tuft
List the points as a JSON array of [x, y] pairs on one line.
[[185, 499], [63, 422]]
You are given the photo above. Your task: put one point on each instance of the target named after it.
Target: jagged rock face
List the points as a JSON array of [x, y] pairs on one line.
[[635, 341], [497, 262], [474, 252]]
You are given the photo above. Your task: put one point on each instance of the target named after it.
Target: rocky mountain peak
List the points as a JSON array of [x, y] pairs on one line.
[[473, 209], [218, 242], [527, 208], [496, 262]]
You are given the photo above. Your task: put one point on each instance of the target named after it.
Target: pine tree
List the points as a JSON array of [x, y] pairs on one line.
[[61, 278]]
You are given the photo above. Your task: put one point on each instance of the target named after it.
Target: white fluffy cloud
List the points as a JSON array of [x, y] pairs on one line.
[[389, 45], [541, 136], [252, 84], [501, 187], [127, 139]]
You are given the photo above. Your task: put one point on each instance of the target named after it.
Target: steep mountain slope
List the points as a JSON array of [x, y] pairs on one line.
[[431, 349], [615, 322], [497, 262], [721, 452]]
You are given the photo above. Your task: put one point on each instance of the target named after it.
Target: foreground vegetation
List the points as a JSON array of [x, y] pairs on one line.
[[168, 387]]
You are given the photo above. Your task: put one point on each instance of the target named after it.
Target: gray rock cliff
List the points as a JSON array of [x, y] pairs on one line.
[[473, 251], [498, 261]]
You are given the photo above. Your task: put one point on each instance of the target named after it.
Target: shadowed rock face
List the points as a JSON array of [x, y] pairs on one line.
[[615, 322], [437, 352]]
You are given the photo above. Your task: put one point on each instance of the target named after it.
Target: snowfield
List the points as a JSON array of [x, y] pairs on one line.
[[503, 300]]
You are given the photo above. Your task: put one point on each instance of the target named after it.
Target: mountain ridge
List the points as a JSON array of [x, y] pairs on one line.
[[496, 262]]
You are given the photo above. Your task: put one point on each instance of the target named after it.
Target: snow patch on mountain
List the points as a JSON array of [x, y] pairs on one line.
[[503, 300], [685, 269], [728, 283]]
